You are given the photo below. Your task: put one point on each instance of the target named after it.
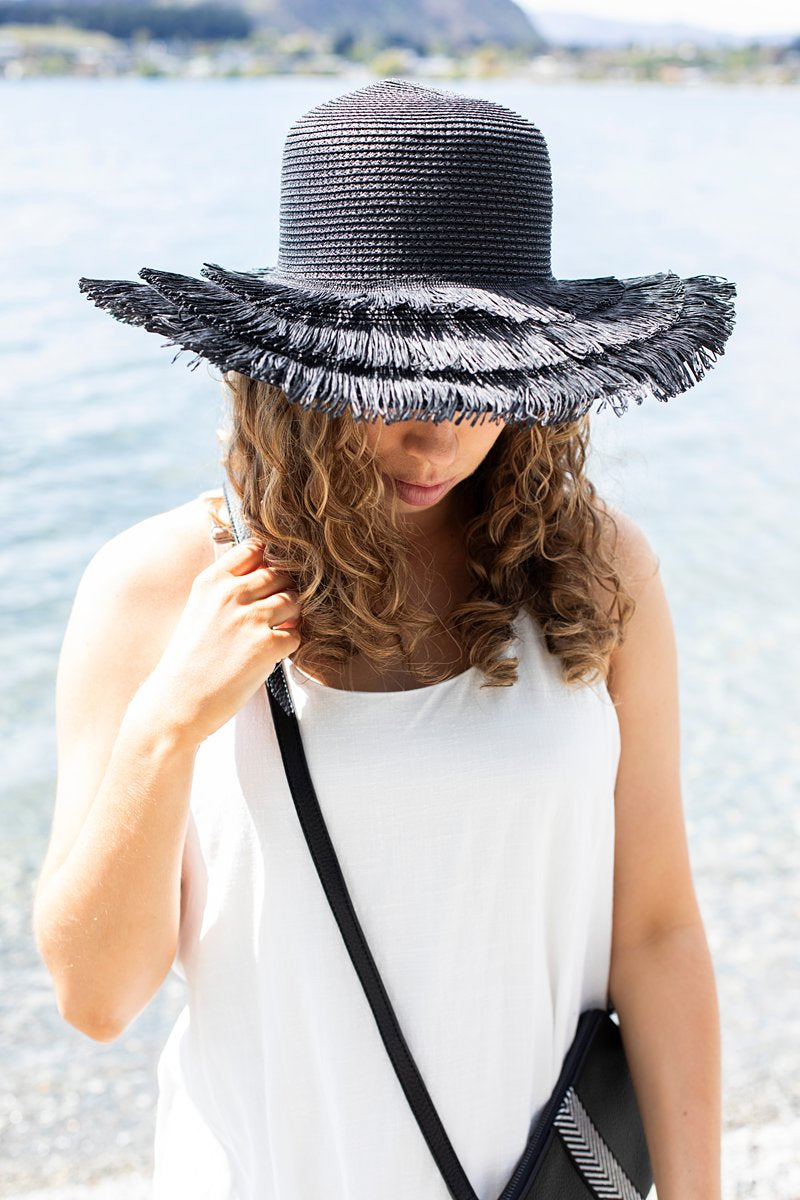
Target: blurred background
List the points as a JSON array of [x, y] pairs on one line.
[[140, 134]]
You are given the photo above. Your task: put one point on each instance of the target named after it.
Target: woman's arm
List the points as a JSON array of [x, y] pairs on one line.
[[162, 648], [107, 904], [662, 980]]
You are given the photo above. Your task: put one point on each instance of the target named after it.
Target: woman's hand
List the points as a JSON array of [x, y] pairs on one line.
[[241, 618]]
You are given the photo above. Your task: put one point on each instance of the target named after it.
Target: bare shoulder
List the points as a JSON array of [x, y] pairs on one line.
[[127, 604], [128, 601], [647, 646], [158, 558], [628, 547]]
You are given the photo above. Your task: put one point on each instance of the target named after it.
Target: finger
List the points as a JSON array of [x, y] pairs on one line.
[[242, 557], [278, 608], [288, 625], [291, 638], [263, 582]]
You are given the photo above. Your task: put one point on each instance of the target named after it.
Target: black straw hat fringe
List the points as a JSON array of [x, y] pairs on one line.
[[656, 338], [414, 279]]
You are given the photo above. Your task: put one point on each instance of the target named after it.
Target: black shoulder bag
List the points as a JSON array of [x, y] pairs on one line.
[[588, 1142]]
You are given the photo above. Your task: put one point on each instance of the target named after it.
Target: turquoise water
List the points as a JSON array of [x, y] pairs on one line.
[[103, 177]]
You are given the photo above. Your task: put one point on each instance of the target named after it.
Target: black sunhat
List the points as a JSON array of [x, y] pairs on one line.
[[413, 279]]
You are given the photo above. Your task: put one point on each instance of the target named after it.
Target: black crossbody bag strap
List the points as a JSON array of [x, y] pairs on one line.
[[330, 873]]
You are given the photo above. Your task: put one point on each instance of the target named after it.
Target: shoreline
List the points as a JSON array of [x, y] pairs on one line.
[[758, 1163]]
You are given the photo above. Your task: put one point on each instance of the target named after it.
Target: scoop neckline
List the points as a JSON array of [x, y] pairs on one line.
[[415, 691]]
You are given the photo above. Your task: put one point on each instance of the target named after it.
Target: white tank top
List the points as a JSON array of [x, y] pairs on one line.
[[475, 830]]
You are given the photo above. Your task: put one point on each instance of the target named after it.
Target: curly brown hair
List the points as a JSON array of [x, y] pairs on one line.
[[535, 536]]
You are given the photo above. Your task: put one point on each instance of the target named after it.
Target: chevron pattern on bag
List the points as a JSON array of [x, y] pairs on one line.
[[591, 1153]]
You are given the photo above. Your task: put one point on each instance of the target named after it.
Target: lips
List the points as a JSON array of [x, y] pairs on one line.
[[421, 494], [437, 484]]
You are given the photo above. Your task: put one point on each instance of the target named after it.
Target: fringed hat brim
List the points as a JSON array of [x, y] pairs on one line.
[[542, 353]]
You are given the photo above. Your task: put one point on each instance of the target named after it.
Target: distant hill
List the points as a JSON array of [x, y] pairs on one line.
[[421, 25], [359, 26]]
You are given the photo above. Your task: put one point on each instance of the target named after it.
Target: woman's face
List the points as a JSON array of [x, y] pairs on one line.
[[423, 453]]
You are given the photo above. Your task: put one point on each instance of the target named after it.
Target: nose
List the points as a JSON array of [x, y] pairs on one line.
[[430, 441]]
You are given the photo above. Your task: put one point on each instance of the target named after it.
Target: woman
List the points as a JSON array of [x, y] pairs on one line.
[[480, 656]]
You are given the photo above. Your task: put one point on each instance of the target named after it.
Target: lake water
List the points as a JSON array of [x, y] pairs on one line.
[[103, 177]]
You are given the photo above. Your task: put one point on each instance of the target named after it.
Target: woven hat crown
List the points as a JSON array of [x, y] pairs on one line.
[[398, 181], [414, 279]]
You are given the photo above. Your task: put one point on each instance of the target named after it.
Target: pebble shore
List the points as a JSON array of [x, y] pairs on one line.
[[769, 1154]]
